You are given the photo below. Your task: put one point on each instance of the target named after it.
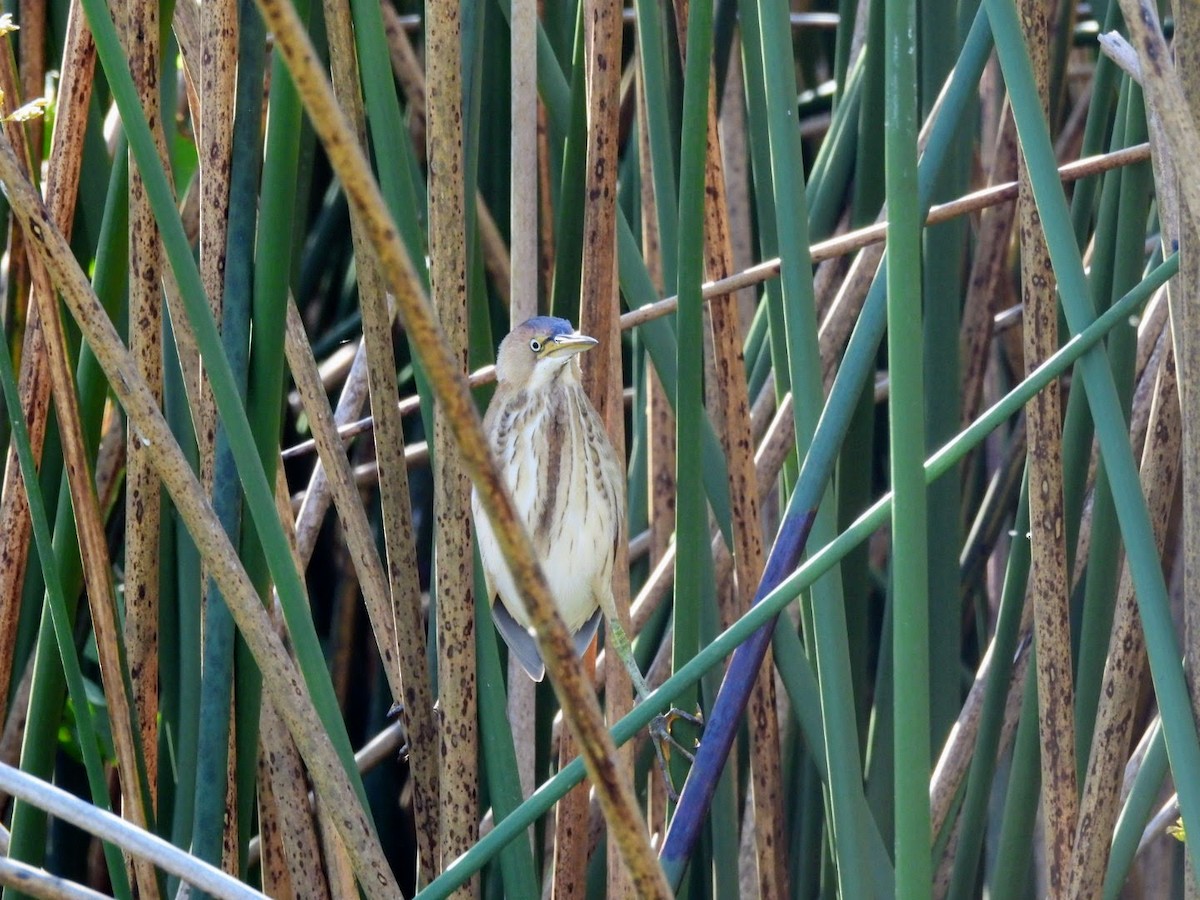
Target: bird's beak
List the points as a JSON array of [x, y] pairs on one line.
[[568, 345]]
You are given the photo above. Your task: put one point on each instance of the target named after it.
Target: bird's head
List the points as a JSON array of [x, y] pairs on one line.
[[539, 349]]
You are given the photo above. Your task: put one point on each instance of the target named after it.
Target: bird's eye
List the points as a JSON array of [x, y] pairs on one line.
[[535, 345]]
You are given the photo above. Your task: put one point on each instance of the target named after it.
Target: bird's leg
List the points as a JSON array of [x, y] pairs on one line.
[[660, 726], [394, 711]]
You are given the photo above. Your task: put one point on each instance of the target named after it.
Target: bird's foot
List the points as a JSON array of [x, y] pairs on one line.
[[663, 741], [396, 709]]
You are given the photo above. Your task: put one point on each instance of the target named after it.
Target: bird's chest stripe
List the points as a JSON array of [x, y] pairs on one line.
[[514, 443], [562, 485], [552, 459]]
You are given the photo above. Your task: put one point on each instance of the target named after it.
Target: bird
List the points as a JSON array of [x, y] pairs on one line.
[[568, 488]]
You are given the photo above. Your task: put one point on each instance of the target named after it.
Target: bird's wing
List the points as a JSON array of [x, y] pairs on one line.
[[520, 642], [524, 646], [583, 637]]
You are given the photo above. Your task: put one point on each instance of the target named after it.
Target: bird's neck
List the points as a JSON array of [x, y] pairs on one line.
[[564, 377]]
